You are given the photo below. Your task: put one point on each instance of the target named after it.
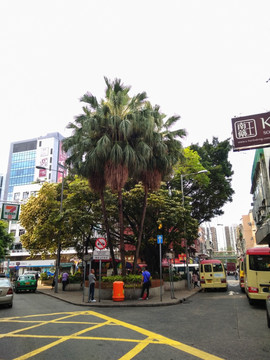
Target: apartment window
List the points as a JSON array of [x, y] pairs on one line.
[[16, 196], [51, 152], [25, 195], [40, 144], [21, 232], [50, 160]]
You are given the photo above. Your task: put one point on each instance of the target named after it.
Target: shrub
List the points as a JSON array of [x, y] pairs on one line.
[[128, 279], [75, 278], [44, 276]]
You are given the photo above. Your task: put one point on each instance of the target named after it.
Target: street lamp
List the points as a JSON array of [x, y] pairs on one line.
[[183, 203], [59, 242]]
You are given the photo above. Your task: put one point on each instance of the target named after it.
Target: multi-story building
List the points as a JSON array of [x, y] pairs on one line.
[[1, 186], [214, 238], [245, 234], [26, 155], [260, 190]]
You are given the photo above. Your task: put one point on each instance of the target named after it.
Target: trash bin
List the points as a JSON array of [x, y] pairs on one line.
[[118, 291]]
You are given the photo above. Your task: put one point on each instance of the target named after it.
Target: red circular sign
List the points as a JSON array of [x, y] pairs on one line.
[[101, 243]]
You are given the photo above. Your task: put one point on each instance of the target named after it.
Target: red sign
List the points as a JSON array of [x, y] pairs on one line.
[[101, 243], [251, 132]]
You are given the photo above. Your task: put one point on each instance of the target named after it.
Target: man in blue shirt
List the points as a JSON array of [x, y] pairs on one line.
[[145, 283]]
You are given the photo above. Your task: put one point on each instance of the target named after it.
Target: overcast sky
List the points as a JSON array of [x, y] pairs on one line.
[[207, 61]]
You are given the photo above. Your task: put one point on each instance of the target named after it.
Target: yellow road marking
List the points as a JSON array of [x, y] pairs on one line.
[[151, 337]]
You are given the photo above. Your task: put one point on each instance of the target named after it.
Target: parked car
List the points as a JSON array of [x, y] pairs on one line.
[[6, 291], [268, 310], [26, 283]]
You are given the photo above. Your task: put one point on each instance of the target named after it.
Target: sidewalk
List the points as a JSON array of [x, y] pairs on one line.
[[76, 298]]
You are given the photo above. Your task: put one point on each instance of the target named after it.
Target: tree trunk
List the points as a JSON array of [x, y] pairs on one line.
[[121, 230], [140, 231], [106, 223]]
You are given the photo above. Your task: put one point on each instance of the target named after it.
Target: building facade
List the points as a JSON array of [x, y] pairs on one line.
[[25, 156], [260, 190]]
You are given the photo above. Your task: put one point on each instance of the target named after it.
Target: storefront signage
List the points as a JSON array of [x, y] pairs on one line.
[[251, 132]]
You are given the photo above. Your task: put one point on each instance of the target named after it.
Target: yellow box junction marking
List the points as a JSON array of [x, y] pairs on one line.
[[151, 337]]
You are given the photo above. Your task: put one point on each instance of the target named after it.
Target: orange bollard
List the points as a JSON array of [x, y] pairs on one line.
[[118, 291]]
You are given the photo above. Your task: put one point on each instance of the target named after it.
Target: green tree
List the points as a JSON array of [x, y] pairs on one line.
[[74, 226], [164, 208], [166, 151], [6, 239], [208, 197], [119, 137]]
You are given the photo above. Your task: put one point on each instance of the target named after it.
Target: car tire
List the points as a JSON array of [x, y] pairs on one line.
[[10, 305]]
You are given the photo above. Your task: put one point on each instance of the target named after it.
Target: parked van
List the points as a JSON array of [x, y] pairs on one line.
[[212, 275], [257, 273]]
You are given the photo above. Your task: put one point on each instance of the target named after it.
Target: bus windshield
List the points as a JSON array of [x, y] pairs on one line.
[[259, 262]]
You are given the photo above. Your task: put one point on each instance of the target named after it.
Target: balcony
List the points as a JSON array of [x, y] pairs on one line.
[[263, 233]]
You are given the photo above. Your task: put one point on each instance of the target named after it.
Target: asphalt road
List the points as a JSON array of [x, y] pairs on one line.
[[210, 325]]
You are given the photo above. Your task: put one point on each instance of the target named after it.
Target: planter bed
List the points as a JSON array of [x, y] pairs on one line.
[[177, 285], [130, 293]]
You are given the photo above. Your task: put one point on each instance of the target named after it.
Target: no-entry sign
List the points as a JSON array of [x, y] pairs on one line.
[[101, 243]]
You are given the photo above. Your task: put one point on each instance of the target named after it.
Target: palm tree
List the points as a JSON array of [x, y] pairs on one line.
[[109, 143], [166, 151]]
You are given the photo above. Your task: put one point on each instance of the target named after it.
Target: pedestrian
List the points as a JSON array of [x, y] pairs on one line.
[[236, 274], [195, 278], [146, 283], [64, 280], [53, 282], [92, 281]]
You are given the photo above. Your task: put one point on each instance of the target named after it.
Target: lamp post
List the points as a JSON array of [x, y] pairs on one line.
[[183, 203], [58, 242]]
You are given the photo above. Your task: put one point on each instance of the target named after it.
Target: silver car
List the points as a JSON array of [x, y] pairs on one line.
[[268, 310], [6, 292]]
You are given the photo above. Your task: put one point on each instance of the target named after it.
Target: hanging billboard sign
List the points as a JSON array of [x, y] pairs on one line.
[[251, 132], [10, 212]]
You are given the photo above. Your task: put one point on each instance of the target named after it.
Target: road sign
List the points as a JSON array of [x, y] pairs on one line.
[[10, 212], [86, 257], [101, 243], [101, 255], [160, 239]]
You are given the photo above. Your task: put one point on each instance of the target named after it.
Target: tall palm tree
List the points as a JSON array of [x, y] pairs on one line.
[[166, 151], [110, 143]]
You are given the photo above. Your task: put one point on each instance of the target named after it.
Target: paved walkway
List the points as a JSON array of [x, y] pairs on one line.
[[77, 298]]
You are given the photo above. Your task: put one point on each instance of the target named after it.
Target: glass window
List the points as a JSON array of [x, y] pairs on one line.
[[259, 262], [217, 268], [25, 195], [207, 268], [17, 196]]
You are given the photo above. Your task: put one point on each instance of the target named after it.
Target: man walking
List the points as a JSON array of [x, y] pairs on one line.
[[145, 284]]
